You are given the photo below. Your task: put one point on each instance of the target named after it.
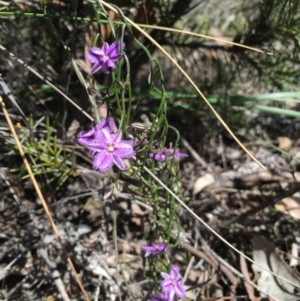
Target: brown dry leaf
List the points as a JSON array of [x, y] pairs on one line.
[[284, 142], [203, 182], [123, 258], [264, 254], [289, 206], [73, 128], [193, 275], [249, 288]]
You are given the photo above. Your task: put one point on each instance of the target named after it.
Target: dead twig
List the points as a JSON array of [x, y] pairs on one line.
[[210, 260], [4, 271], [248, 287], [194, 154], [238, 274], [41, 197], [289, 191], [55, 275]]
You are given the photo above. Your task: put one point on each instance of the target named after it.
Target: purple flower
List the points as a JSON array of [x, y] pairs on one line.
[[154, 250], [87, 137], [105, 57], [110, 150], [166, 153], [171, 285], [159, 297]]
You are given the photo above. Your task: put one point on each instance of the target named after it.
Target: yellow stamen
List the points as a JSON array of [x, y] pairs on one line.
[[110, 149]]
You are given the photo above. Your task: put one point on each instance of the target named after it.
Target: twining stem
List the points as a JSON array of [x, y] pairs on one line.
[[87, 19], [154, 42]]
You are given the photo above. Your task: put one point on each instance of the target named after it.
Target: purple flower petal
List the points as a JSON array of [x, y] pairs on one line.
[[84, 138], [91, 57], [97, 146], [167, 285], [96, 67], [160, 157], [148, 250], [105, 57], [107, 123], [114, 51], [103, 161], [118, 137], [180, 155], [105, 48], [95, 135], [154, 250], [105, 69], [165, 275], [124, 149], [118, 161], [106, 147], [124, 152], [110, 124], [174, 271], [171, 295], [111, 64], [166, 153], [96, 51], [125, 143], [180, 291], [159, 297], [109, 138], [172, 285]]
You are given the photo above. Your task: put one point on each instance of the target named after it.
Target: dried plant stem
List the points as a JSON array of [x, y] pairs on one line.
[[184, 205], [149, 26], [41, 197], [169, 29], [143, 32], [55, 275], [115, 216], [12, 56], [237, 273]]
